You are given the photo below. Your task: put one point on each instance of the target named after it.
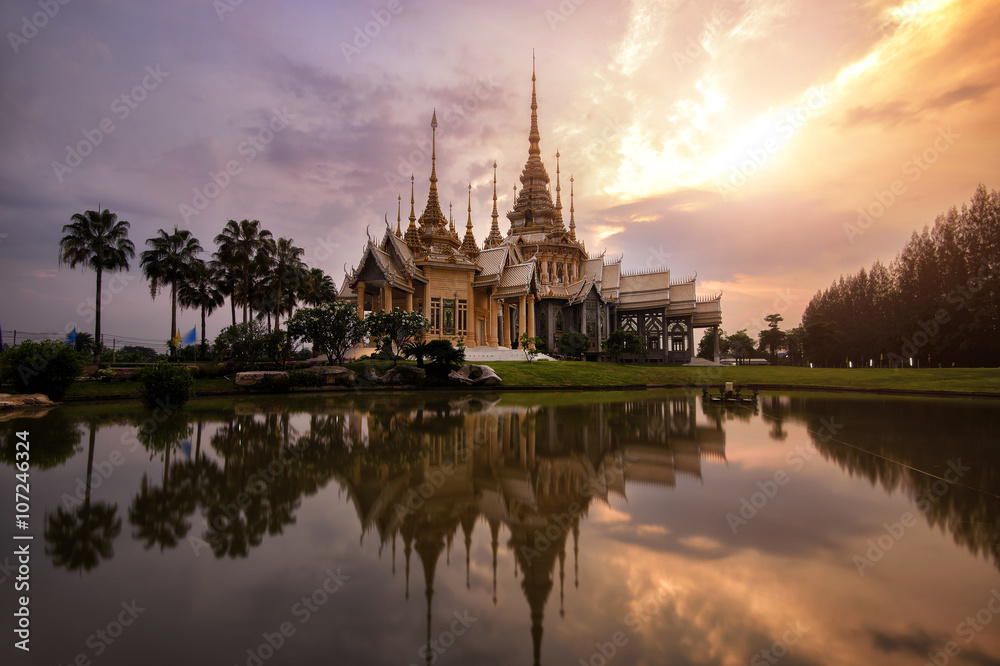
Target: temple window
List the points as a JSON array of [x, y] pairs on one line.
[[436, 315], [449, 317]]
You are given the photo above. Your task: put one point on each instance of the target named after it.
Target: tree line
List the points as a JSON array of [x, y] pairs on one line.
[[264, 276], [936, 302]]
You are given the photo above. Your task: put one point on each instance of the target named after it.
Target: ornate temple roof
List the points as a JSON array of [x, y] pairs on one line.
[[517, 280]]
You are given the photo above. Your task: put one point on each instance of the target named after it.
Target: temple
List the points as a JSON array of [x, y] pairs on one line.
[[538, 279]]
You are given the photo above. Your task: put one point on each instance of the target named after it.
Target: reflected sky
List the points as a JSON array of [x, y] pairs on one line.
[[623, 527]]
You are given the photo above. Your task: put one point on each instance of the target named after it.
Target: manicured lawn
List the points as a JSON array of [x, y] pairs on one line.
[[580, 374], [97, 390], [577, 374]]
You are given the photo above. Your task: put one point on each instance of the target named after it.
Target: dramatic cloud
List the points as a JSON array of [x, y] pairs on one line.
[[733, 139]]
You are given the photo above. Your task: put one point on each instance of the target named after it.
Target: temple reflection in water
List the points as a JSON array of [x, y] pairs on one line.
[[534, 470]]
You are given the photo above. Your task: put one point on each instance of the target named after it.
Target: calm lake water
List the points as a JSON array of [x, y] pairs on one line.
[[510, 528]]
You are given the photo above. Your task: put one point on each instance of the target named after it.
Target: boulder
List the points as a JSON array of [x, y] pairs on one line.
[[256, 377], [8, 401], [477, 375], [333, 374], [404, 374]]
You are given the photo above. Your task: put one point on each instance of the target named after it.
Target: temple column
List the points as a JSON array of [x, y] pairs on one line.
[[531, 315], [691, 337], [491, 322], [361, 299], [427, 302], [551, 327], [545, 271], [470, 317], [715, 344], [505, 324], [409, 302], [387, 298], [522, 317]]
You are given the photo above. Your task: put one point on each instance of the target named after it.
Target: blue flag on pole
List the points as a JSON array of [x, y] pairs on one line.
[[71, 337], [190, 337]]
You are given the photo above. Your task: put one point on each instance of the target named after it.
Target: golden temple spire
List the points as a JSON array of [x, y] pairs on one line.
[[399, 204], [412, 236], [451, 222], [572, 220], [494, 239], [558, 193], [533, 136], [432, 216], [469, 247], [434, 126], [413, 217]]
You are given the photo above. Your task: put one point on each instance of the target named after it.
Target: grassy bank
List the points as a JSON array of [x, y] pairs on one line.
[[578, 374]]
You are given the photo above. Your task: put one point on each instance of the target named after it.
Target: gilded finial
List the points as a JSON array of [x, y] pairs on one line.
[[399, 208], [413, 217], [534, 137], [434, 124], [558, 187], [572, 220]]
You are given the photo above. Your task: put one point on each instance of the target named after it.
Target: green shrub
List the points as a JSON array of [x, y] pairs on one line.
[[274, 383], [211, 370], [305, 379], [165, 385], [243, 343], [47, 367], [572, 343]]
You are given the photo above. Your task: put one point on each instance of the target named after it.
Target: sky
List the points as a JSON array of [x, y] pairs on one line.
[[767, 146]]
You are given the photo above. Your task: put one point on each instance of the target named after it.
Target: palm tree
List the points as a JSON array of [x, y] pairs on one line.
[[287, 261], [239, 244], [167, 262], [317, 288], [228, 276], [98, 240], [83, 342], [201, 291]]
